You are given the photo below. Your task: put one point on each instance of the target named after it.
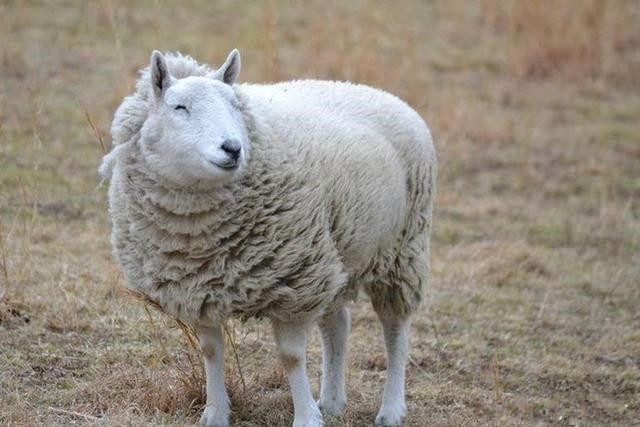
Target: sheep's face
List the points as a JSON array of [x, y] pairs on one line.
[[195, 134]]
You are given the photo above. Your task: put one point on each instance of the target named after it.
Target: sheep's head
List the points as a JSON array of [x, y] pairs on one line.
[[195, 133]]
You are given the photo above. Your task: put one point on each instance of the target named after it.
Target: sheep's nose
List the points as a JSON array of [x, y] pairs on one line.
[[232, 148]]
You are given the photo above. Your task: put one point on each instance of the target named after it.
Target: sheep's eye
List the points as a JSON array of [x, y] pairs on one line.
[[180, 107]]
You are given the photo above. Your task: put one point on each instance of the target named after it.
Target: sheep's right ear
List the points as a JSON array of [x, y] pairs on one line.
[[160, 77]]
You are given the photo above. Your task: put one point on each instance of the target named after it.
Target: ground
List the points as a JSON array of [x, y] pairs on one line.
[[533, 310]]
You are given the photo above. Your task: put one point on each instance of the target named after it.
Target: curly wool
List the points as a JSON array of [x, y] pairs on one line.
[[336, 196]]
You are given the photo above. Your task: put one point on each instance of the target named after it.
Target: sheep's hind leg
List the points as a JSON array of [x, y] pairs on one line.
[[217, 411], [334, 328], [396, 339], [291, 339]]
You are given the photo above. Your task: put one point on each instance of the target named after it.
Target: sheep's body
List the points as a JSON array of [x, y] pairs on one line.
[[336, 196], [345, 202]]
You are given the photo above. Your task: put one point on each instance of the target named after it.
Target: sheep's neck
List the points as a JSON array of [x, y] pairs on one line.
[[189, 212]]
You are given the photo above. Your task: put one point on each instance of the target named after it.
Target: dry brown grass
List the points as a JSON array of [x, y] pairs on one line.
[[579, 39], [533, 311]]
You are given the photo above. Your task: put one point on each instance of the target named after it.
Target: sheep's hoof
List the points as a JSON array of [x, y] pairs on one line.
[[391, 415], [214, 417], [314, 419], [334, 408]]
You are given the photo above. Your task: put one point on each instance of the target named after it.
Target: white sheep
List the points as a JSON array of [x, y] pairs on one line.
[[277, 201]]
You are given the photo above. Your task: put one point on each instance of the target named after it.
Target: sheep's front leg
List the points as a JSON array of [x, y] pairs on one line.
[[291, 339], [217, 411], [396, 339], [334, 328]]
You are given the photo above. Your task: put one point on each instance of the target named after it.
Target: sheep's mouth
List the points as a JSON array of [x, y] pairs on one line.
[[230, 165]]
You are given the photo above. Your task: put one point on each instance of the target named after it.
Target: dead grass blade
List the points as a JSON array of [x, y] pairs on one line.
[[235, 354], [156, 334], [74, 414], [3, 265], [497, 381], [96, 131]]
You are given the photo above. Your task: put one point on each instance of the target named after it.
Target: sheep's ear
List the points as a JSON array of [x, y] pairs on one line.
[[228, 72], [160, 77]]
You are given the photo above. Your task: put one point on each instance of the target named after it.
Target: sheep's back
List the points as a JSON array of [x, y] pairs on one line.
[[359, 145]]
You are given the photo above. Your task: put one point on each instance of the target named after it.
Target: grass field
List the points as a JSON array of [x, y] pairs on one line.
[[533, 315]]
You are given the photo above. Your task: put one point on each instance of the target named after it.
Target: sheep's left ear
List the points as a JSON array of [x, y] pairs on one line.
[[228, 72]]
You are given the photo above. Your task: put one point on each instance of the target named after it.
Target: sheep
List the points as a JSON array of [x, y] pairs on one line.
[[278, 201]]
